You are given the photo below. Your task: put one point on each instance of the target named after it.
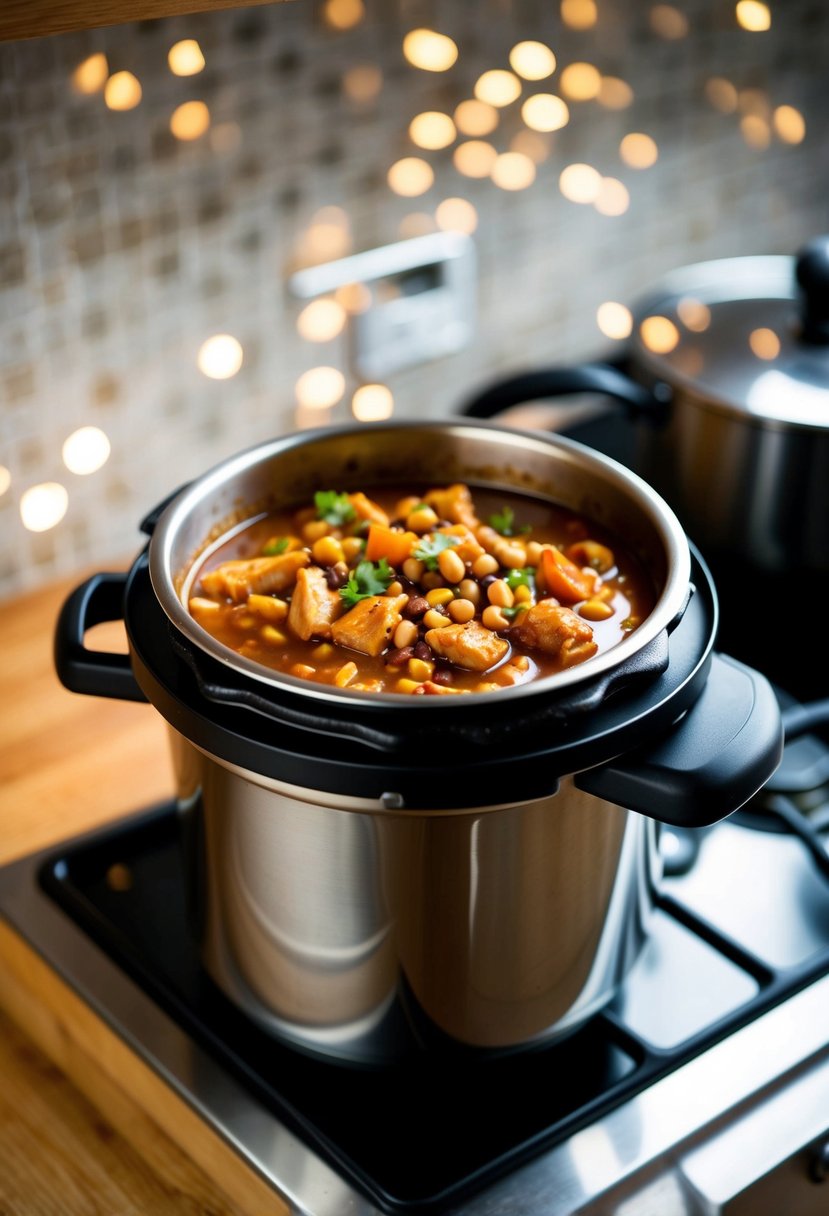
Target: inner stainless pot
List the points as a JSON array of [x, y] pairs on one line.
[[334, 923], [289, 470]]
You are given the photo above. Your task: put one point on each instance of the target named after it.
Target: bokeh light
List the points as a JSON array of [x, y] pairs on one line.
[[91, 75], [354, 297], [474, 117], [320, 388], [753, 16], [43, 506], [498, 87], [755, 131], [372, 403], [638, 151], [456, 215], [513, 171], [580, 81], [429, 51], [5, 479], [612, 197], [668, 22], [614, 320], [432, 130], [327, 237], [659, 334], [474, 158], [580, 183], [86, 450], [190, 120], [363, 82], [410, 176], [532, 60], [579, 14], [122, 91], [545, 112], [764, 343], [220, 357], [693, 314], [532, 144], [722, 94], [185, 58], [321, 320], [614, 93], [343, 14], [789, 125], [416, 223]]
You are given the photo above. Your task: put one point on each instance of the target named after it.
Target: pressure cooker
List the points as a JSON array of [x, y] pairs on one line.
[[727, 378], [373, 873]]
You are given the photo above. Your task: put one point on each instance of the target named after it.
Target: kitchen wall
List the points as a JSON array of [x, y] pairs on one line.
[[131, 236]]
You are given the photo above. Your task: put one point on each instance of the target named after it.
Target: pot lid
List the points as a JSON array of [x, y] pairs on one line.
[[751, 334]]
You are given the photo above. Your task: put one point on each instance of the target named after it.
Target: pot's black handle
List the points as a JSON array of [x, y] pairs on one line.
[[95, 672], [562, 382], [714, 759]]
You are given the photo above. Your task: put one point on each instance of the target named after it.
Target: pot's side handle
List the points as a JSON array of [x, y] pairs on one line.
[[95, 672], [714, 759], [562, 382]]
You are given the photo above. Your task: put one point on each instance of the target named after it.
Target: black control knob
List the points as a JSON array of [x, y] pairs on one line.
[[813, 281], [819, 1162]]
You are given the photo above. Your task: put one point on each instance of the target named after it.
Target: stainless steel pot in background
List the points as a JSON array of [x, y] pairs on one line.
[[728, 378]]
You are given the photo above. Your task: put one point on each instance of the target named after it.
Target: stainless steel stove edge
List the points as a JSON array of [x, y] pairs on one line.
[[686, 1146]]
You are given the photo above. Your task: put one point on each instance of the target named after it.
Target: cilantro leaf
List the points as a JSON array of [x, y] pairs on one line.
[[334, 508], [369, 578], [275, 547], [511, 613], [430, 546], [504, 522]]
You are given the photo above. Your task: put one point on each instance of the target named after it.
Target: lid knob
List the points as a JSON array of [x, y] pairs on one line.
[[813, 280]]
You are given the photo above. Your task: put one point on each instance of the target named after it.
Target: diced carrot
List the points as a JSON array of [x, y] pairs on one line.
[[395, 547], [366, 509], [563, 578]]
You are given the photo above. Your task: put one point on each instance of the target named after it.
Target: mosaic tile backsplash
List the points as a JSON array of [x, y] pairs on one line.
[[161, 181]]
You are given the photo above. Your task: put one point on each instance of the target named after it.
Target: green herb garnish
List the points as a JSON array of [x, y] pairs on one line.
[[431, 546], [334, 508], [369, 578], [521, 578], [509, 613], [275, 547], [421, 506], [504, 522]]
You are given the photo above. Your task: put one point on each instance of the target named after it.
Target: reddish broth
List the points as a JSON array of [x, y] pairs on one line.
[[296, 593]]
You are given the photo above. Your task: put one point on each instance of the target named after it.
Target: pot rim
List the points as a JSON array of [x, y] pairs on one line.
[[667, 609]]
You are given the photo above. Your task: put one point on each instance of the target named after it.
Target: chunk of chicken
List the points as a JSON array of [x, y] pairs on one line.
[[556, 630], [471, 645], [366, 509], [454, 503], [314, 606], [257, 575], [370, 624]]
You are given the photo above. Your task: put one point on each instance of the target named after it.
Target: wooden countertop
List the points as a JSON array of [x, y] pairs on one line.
[[85, 1127]]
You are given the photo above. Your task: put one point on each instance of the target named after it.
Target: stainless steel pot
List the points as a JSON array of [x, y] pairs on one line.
[[728, 376], [377, 872]]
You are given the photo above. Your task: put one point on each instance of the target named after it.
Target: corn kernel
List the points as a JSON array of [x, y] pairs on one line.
[[522, 595], [269, 607], [315, 530], [421, 521], [434, 619], [405, 685], [345, 675], [275, 636], [595, 610], [421, 669], [303, 670], [395, 588], [323, 651], [352, 545], [439, 595], [327, 551]]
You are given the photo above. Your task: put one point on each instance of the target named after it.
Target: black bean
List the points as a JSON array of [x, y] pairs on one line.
[[336, 576], [422, 650], [396, 658], [442, 675], [488, 580], [416, 606]]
